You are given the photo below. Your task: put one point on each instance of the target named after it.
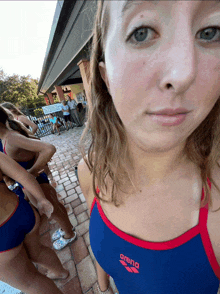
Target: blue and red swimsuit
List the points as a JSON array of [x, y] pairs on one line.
[[184, 265]]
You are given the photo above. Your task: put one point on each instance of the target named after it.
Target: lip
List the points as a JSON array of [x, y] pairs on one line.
[[170, 111]]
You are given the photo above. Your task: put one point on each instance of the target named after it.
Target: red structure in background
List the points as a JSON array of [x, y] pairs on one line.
[[50, 96], [46, 100], [71, 95]]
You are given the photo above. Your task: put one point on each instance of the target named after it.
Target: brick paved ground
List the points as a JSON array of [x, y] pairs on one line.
[[77, 257]]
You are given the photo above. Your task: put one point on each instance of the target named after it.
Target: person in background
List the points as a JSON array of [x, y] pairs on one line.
[[73, 111], [33, 155], [18, 115], [81, 109], [56, 123], [20, 244], [66, 114], [152, 173]]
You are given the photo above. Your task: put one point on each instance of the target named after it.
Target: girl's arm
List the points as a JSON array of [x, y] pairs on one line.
[[45, 150], [28, 122], [85, 180], [13, 170]]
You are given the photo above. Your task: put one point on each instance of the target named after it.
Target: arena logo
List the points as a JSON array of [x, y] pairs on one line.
[[125, 260]]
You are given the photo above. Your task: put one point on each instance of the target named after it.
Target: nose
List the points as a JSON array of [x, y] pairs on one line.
[[179, 64]]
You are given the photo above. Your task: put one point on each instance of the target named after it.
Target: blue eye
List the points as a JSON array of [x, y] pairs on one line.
[[208, 34], [141, 34]]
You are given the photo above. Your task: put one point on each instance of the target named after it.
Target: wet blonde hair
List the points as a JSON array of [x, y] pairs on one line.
[[109, 151]]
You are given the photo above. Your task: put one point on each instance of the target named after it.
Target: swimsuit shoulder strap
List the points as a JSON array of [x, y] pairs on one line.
[[4, 147]]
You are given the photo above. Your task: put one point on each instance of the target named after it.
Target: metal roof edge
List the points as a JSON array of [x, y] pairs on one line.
[[67, 8]]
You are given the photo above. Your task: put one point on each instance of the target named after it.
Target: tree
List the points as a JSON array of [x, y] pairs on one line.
[[20, 90]]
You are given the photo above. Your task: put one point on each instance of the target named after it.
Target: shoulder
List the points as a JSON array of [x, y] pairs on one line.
[[85, 180], [21, 118]]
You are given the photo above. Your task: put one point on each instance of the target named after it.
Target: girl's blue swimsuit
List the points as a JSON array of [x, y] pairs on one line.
[[184, 265], [17, 226]]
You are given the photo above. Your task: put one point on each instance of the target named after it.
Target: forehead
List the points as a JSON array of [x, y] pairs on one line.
[[125, 6]]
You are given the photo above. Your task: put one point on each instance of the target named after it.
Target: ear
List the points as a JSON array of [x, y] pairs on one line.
[[103, 72]]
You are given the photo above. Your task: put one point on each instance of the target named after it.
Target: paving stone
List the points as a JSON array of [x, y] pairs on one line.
[[86, 238], [68, 209], [71, 198], [70, 192], [72, 287], [82, 217], [90, 292], [62, 195], [55, 173], [71, 186], [76, 203], [63, 174], [87, 273], [79, 209], [82, 198], [59, 188], [57, 178], [67, 167], [82, 228], [66, 183], [64, 254], [79, 250], [95, 288], [73, 220], [78, 190], [70, 266], [63, 180], [73, 179]]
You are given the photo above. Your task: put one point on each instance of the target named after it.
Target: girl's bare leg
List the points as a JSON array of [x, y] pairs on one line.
[[17, 270], [60, 214], [58, 131], [43, 255]]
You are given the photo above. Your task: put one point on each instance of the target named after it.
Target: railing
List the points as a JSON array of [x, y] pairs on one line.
[[44, 126]]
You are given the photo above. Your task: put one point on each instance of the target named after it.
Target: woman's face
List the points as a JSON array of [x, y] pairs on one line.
[[162, 67]]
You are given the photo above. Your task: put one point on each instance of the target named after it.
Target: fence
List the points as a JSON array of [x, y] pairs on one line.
[[42, 121]]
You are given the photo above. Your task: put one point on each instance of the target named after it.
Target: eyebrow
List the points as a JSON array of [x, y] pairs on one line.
[[130, 3]]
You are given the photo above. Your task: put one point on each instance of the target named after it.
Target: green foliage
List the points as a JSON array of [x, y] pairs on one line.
[[20, 90], [56, 100], [38, 112]]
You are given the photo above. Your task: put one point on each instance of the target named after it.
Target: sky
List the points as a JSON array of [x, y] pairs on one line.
[[24, 33]]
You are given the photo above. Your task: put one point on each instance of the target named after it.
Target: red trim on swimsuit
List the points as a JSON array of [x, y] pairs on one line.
[[200, 228], [4, 147]]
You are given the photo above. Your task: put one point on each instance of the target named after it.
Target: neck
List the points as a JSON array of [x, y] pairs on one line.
[[155, 167]]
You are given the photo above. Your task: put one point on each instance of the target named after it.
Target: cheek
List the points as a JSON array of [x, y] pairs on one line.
[[129, 80]]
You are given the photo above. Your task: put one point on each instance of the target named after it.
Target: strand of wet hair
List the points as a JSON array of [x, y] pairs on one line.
[[17, 127]]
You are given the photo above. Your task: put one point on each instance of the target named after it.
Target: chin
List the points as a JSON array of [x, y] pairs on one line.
[[160, 145]]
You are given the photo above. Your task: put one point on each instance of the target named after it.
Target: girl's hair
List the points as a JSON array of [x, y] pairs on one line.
[[79, 107], [12, 108], [64, 101], [108, 151], [14, 125]]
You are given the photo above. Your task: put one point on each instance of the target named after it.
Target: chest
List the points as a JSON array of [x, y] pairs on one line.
[[165, 216], [16, 153]]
